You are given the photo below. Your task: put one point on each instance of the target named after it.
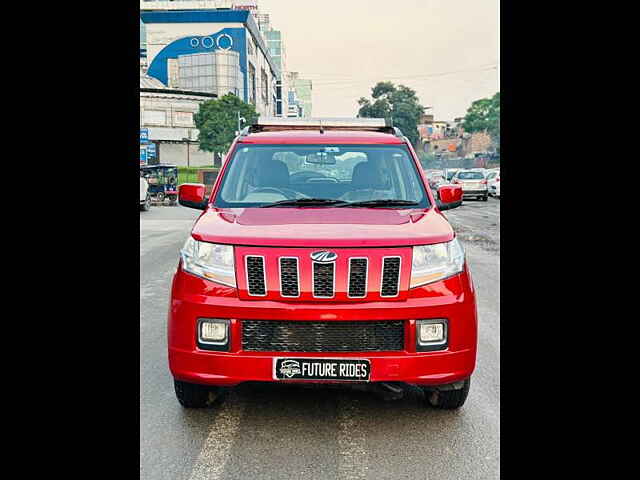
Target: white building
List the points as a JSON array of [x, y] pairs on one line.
[[168, 114]]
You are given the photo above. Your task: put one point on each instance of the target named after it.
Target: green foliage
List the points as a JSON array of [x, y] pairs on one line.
[[189, 174], [399, 104], [484, 115], [217, 121]]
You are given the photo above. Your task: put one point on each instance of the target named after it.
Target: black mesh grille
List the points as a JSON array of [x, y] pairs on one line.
[[323, 279], [358, 277], [288, 336], [390, 276], [289, 277], [255, 276]]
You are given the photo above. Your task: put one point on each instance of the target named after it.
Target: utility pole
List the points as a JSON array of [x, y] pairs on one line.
[[187, 142]]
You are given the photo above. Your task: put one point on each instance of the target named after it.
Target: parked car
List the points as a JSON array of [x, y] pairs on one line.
[[145, 199], [473, 183], [436, 179], [321, 256], [494, 186], [492, 177]]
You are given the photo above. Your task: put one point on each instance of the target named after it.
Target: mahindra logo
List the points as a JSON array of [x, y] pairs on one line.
[[324, 256]]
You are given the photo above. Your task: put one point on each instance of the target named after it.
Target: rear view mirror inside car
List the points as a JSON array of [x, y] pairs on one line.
[[321, 158]]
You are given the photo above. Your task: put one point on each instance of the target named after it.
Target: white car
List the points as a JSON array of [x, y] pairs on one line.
[[472, 182], [145, 199], [493, 181]]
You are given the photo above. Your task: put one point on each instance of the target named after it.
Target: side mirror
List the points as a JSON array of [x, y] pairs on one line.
[[450, 196], [192, 195]]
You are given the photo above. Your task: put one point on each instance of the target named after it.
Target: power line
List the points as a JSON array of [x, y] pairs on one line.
[[408, 77], [339, 77]]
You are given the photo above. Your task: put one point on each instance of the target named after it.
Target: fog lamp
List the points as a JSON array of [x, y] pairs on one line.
[[431, 334], [213, 331]]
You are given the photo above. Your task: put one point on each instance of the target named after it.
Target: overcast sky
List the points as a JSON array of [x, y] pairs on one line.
[[446, 50]]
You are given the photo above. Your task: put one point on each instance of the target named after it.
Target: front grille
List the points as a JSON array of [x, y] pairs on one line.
[[292, 336], [323, 279], [289, 277], [255, 276], [357, 277], [390, 276], [347, 277]]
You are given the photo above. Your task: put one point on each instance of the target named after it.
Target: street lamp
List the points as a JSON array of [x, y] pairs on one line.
[[240, 119]]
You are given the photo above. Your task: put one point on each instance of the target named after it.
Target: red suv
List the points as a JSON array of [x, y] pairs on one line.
[[322, 256]]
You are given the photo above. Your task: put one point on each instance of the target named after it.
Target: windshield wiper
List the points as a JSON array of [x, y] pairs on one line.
[[304, 202], [381, 203]]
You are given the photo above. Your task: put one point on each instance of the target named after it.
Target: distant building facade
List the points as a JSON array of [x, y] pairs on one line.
[[209, 50], [278, 54], [302, 95], [169, 115]]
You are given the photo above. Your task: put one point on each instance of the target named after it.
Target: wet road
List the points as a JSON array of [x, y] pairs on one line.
[[280, 432]]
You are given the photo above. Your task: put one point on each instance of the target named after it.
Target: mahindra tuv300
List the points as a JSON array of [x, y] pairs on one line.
[[322, 256]]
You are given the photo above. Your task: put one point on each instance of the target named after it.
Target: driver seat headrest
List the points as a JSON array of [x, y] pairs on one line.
[[367, 175], [272, 173]]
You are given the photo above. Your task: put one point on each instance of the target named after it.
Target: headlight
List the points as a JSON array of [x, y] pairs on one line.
[[432, 263], [209, 260]]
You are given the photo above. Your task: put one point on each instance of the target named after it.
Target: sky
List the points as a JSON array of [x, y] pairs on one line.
[[448, 51]]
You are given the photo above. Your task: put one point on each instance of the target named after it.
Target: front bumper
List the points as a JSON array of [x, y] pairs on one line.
[[194, 298]]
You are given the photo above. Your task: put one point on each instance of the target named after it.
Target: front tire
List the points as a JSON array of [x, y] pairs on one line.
[[191, 395], [448, 399], [485, 198], [146, 206]]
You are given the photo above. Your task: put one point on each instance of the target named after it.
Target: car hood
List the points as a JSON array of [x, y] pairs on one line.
[[322, 227]]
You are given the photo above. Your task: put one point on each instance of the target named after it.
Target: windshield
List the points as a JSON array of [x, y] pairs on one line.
[[263, 174], [470, 176]]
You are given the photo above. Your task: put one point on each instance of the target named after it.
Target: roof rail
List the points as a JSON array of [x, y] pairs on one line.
[[275, 124]]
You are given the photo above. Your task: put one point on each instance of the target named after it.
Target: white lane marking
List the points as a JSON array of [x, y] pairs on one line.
[[352, 462], [216, 450]]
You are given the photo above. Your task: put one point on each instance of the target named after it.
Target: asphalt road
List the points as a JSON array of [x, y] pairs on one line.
[[281, 432]]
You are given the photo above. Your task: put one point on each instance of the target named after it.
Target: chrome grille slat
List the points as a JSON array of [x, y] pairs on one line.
[[324, 279], [358, 271], [289, 277], [390, 285], [256, 276]]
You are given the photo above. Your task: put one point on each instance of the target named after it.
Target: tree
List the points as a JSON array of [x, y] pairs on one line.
[[484, 116], [399, 104], [217, 122]]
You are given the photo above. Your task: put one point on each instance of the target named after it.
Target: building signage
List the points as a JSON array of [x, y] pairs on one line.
[[151, 150], [143, 154], [144, 135], [222, 41]]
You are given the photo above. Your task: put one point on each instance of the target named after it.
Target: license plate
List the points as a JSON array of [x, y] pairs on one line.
[[334, 369]]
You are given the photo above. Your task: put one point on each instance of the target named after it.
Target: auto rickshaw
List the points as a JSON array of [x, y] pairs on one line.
[[163, 182]]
